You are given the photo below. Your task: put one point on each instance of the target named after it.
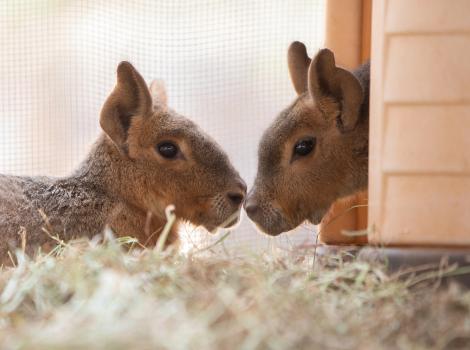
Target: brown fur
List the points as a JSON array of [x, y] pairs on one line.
[[332, 108], [125, 182]]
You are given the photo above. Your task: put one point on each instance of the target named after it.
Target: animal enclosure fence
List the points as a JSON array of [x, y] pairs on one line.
[[223, 63]]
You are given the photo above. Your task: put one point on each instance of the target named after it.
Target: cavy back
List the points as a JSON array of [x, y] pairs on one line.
[[35, 208]]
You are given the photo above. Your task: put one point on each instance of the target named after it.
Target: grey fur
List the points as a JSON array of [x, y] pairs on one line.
[[79, 205]]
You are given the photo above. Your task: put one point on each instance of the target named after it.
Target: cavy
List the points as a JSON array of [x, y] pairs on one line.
[[316, 150], [147, 158]]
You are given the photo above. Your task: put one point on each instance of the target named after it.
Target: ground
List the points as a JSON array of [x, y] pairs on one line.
[[99, 295]]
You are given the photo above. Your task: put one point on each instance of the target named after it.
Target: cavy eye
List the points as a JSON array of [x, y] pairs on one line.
[[304, 147], [167, 150]]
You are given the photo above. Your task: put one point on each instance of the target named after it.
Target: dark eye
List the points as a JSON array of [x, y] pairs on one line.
[[167, 150], [304, 147]]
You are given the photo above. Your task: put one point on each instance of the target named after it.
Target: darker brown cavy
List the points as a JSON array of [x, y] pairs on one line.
[[316, 150]]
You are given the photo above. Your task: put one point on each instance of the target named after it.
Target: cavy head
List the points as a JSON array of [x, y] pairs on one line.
[[165, 158], [315, 151]]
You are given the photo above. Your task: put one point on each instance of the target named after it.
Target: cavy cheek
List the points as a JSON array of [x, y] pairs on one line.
[[194, 210]]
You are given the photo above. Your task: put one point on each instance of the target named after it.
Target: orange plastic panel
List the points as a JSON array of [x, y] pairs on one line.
[[419, 174]]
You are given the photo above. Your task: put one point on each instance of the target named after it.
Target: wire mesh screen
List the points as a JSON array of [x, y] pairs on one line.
[[223, 62]]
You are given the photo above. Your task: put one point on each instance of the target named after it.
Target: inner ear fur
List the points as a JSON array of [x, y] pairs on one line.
[[298, 62], [326, 81], [129, 98], [158, 93]]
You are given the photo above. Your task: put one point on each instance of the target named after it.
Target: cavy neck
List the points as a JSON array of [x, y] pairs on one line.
[[83, 201], [99, 167], [107, 172]]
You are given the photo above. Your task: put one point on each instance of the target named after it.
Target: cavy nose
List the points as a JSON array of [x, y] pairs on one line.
[[251, 207], [237, 196]]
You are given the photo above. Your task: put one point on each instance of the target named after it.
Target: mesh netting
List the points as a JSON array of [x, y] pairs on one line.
[[223, 62]]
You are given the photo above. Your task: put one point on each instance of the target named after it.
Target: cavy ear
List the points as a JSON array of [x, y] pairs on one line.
[[158, 92], [298, 62], [129, 98], [326, 81]]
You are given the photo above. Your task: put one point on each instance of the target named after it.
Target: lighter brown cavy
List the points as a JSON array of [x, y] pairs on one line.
[[147, 158], [316, 150]]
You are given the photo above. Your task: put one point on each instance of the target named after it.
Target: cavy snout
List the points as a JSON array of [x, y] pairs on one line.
[[237, 195], [266, 216], [251, 207]]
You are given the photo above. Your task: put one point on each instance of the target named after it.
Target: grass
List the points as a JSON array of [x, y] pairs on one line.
[[90, 294]]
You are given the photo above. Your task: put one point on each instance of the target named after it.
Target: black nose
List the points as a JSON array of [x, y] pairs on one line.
[[237, 195], [251, 207]]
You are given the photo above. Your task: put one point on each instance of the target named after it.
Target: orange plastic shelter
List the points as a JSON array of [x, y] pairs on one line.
[[419, 170], [419, 186]]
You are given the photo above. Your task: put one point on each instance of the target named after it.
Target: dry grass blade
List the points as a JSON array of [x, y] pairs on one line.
[[170, 220]]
